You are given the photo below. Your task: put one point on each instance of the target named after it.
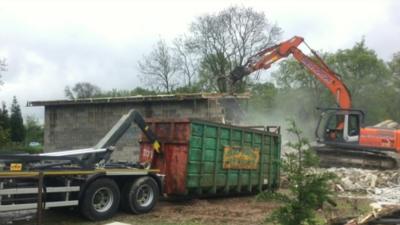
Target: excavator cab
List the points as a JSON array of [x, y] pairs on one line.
[[339, 126]]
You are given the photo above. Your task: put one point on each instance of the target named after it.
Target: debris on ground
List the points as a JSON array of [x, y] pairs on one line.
[[382, 187], [389, 194], [354, 179], [378, 185], [21, 215], [381, 213]]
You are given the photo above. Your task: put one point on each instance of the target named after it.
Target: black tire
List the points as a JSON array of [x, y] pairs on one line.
[[100, 200], [140, 196]]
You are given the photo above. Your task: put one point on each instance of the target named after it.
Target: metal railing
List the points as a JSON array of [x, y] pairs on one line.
[[7, 192]]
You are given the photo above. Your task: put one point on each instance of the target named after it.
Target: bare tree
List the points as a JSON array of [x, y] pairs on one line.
[[82, 90], [186, 61], [3, 68], [158, 69], [226, 39]]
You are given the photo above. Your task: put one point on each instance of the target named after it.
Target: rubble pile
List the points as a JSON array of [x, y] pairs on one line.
[[381, 186], [388, 195], [353, 179]]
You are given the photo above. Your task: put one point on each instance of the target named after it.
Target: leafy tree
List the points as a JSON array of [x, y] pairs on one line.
[[4, 125], [293, 75], [34, 131], [390, 94], [212, 71], [82, 90], [300, 93], [308, 190], [158, 68], [394, 65], [360, 68], [17, 129], [367, 78], [125, 93], [194, 88], [263, 95], [4, 137], [4, 116], [226, 39]]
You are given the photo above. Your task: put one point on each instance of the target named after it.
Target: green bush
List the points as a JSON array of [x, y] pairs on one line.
[[307, 189]]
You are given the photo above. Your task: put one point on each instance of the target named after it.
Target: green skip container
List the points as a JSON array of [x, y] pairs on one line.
[[202, 158]]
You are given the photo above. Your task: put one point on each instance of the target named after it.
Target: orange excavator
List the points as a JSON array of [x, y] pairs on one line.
[[341, 138]]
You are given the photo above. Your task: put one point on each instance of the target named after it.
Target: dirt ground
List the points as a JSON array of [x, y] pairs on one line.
[[237, 210], [232, 210], [358, 188]]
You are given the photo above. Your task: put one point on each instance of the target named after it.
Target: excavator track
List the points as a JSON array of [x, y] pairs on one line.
[[332, 156]]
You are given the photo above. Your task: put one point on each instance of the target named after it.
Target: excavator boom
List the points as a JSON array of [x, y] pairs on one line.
[[266, 57]]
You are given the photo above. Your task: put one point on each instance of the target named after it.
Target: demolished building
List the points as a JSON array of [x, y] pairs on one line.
[[81, 123]]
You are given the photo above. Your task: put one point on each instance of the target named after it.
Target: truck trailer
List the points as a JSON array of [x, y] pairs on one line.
[[82, 177]]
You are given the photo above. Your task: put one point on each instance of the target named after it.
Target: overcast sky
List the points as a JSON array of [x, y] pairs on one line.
[[51, 44]]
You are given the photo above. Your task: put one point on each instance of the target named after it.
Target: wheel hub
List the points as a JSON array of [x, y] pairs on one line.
[[145, 195], [102, 199]]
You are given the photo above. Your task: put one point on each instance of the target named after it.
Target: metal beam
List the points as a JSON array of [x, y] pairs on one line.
[[15, 191], [6, 208], [74, 152]]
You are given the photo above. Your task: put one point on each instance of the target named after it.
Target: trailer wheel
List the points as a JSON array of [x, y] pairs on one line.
[[140, 196], [100, 200]]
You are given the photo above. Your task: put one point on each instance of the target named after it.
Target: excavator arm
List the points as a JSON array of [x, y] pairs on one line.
[[266, 57], [342, 141]]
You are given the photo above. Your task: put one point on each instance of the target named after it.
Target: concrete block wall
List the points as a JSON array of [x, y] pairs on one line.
[[83, 125]]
